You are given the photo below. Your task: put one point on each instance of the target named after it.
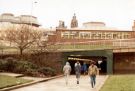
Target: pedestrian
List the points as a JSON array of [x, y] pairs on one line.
[[67, 70], [76, 63], [84, 68], [77, 71], [92, 72]]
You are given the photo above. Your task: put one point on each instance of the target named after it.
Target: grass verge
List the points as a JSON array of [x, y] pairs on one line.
[[119, 83], [8, 81]]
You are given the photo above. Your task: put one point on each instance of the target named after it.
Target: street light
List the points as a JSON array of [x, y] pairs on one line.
[[32, 5], [32, 8]]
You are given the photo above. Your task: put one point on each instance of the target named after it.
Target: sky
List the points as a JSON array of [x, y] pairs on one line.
[[115, 13]]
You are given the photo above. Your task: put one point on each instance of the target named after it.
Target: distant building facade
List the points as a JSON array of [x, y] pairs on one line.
[[8, 19], [92, 31]]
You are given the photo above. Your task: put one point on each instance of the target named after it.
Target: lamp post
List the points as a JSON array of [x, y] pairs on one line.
[[32, 8]]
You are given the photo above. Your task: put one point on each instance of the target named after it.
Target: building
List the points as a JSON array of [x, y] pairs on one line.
[[61, 25], [96, 41], [8, 20], [91, 31]]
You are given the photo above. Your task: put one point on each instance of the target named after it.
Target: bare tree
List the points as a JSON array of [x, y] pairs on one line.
[[46, 51], [48, 46], [22, 36]]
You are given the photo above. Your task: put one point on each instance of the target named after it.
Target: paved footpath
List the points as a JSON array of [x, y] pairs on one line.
[[59, 85]]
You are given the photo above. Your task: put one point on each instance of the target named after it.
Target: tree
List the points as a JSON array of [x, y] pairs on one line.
[[22, 36], [45, 44], [46, 52]]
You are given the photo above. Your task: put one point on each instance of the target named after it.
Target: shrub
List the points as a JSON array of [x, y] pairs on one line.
[[2, 65], [32, 72], [24, 66], [9, 64], [47, 71]]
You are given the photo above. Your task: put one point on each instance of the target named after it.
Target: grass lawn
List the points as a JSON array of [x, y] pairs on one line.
[[7, 81], [119, 83]]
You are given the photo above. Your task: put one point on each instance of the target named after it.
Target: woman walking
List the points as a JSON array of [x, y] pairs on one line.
[[67, 70]]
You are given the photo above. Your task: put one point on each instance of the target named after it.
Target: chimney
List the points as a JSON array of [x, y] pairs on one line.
[[133, 27]]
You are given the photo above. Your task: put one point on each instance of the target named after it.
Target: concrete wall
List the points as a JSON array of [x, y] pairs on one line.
[[124, 63]]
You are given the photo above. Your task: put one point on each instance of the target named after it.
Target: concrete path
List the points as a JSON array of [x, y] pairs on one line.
[[59, 85], [11, 74]]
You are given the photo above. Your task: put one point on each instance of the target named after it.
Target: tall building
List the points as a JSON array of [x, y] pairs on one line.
[[74, 22]]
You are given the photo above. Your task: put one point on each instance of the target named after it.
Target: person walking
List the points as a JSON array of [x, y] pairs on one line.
[[92, 72], [76, 63], [77, 71], [84, 68], [67, 71]]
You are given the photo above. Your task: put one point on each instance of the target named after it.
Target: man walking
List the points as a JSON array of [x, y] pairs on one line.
[[84, 68], [67, 70], [92, 72], [78, 71]]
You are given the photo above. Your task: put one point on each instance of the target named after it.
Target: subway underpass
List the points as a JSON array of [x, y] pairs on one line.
[[100, 62]]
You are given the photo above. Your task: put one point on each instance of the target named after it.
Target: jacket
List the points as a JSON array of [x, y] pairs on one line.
[[93, 70], [67, 69]]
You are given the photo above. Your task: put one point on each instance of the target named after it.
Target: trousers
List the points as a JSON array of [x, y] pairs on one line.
[[93, 80]]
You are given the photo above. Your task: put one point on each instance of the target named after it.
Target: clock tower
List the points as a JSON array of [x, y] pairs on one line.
[[74, 22]]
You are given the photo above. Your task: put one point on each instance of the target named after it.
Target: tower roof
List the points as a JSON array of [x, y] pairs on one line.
[[74, 22]]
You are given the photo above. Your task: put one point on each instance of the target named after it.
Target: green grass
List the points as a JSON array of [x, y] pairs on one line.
[[119, 83], [7, 81]]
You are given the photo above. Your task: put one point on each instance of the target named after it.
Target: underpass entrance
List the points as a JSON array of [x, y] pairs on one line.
[[100, 61], [102, 58]]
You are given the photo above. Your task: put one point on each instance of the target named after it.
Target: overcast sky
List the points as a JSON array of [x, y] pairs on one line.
[[115, 13]]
